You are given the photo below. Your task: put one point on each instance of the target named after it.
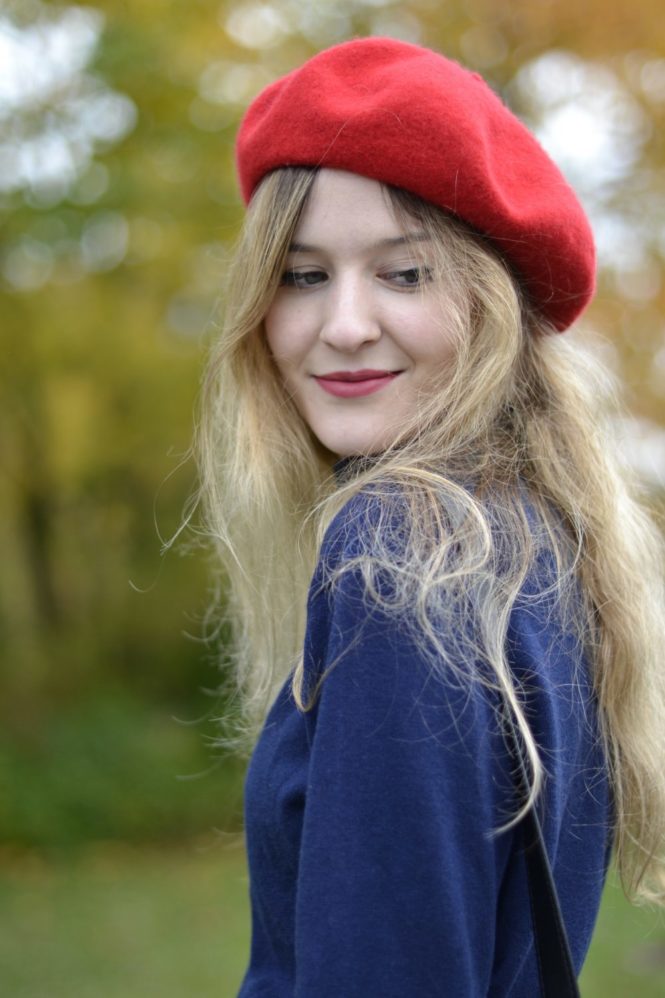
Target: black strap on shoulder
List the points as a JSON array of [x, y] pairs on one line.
[[555, 964]]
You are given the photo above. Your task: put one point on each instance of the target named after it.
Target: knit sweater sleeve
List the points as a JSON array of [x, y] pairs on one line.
[[399, 872]]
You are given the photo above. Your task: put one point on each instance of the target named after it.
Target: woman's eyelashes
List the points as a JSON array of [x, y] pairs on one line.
[[407, 278], [411, 277], [302, 278]]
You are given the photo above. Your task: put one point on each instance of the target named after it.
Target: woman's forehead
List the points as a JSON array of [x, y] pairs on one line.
[[352, 209]]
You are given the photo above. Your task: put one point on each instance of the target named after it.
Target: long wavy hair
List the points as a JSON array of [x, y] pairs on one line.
[[506, 457]]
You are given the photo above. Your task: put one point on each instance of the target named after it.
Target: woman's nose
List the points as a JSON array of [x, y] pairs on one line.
[[350, 318]]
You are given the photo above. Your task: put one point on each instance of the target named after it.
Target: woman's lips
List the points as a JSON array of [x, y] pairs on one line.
[[354, 384]]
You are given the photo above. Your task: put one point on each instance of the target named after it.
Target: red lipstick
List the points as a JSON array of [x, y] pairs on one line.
[[354, 384]]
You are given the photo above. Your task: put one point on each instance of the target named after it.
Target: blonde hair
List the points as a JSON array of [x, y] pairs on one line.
[[506, 458]]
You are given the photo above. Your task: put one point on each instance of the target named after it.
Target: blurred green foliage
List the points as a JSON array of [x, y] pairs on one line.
[[113, 768]]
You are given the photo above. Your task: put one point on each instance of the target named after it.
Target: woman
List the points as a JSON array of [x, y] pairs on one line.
[[389, 409]]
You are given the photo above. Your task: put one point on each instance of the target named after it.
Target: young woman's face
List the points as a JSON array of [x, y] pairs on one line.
[[357, 328]]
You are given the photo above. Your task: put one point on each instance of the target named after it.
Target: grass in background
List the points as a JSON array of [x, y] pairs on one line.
[[124, 922], [120, 922], [627, 955]]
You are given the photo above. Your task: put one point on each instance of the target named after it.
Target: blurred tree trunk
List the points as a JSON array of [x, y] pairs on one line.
[[37, 523], [36, 494]]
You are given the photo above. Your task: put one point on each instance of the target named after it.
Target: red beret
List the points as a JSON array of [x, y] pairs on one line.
[[406, 116]]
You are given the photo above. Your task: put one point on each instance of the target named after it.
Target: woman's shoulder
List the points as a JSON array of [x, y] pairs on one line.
[[360, 515], [520, 556], [384, 508]]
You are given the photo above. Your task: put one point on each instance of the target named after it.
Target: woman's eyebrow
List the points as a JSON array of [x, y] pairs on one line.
[[390, 241]]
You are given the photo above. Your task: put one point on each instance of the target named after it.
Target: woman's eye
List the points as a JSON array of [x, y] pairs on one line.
[[412, 277], [302, 278]]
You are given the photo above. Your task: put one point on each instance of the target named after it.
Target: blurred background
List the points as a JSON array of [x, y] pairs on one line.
[[121, 860]]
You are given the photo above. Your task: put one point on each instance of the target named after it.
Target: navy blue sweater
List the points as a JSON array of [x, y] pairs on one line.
[[374, 869]]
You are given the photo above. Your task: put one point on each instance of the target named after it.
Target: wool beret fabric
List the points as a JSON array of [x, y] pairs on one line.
[[409, 117]]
